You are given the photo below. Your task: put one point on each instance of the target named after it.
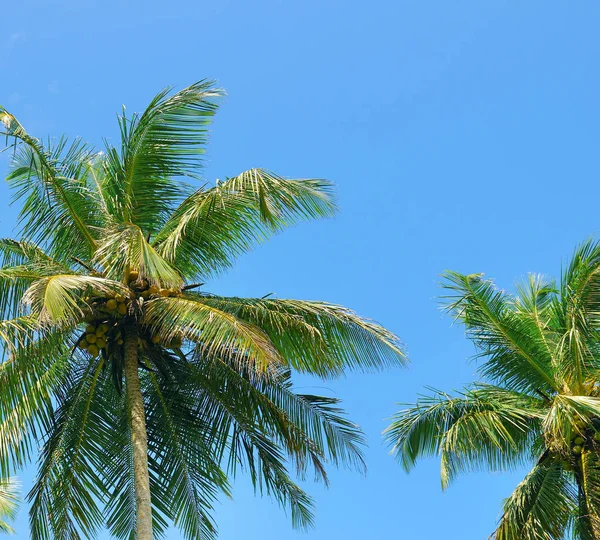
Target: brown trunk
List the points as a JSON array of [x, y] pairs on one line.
[[139, 437], [587, 518]]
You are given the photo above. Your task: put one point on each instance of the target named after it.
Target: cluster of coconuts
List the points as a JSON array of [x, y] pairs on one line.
[[102, 330], [585, 437]]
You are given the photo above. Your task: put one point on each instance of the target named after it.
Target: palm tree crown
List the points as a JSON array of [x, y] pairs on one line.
[[145, 391], [539, 401]]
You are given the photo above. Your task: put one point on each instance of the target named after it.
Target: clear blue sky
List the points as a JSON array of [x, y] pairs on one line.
[[462, 135]]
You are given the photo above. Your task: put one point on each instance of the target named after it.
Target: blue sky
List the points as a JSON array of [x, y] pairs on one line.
[[461, 135]]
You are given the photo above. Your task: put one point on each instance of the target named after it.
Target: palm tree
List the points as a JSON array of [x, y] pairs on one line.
[[8, 503], [538, 401], [147, 392]]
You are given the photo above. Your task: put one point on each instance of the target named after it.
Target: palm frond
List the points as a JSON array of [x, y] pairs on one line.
[[187, 476], [58, 206], [20, 264], [315, 337], [484, 427], [9, 501], [61, 299], [515, 355], [64, 500], [159, 146], [213, 331], [540, 507], [212, 227], [124, 248]]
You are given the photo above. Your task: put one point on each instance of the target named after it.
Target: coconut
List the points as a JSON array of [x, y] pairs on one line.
[[597, 436], [122, 308], [164, 292], [101, 342], [579, 440], [153, 289], [120, 341], [90, 329], [577, 449], [91, 338], [111, 304], [83, 344], [93, 350], [133, 275], [105, 327]]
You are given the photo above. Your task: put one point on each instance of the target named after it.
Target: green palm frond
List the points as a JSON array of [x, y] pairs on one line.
[[315, 337], [484, 427], [214, 331], [187, 476], [60, 299], [9, 500], [514, 354], [20, 264], [165, 142], [29, 377], [214, 226], [58, 206], [124, 248], [540, 507], [65, 497]]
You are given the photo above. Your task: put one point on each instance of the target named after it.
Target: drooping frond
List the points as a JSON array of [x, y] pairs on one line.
[[315, 337], [142, 182], [65, 496], [212, 227], [541, 506], [484, 427], [214, 331], [28, 378], [187, 472]]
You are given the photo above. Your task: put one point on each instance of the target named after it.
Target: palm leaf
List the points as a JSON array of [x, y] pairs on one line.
[[212, 227]]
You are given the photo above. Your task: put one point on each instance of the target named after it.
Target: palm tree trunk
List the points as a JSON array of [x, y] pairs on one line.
[[139, 436], [586, 522]]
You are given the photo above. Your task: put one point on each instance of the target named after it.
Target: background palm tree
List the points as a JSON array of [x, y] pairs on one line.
[[8, 503], [538, 403], [146, 391]]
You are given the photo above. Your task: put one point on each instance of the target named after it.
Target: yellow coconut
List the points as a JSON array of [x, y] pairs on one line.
[[83, 344], [93, 350], [122, 308], [111, 304], [90, 329], [91, 338]]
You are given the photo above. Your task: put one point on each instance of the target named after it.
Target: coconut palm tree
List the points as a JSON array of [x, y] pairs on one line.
[[538, 401], [8, 503], [147, 392]]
